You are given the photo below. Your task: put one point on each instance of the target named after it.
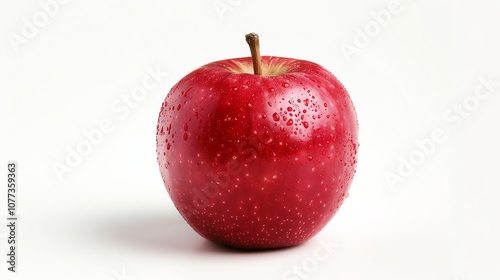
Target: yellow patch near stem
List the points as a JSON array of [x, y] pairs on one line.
[[267, 70]]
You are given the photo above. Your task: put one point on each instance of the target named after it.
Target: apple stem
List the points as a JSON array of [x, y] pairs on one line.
[[253, 42]]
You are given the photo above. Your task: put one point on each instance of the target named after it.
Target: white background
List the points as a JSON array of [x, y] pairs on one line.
[[111, 218]]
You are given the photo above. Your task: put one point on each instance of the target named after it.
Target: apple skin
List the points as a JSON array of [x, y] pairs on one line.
[[258, 161]]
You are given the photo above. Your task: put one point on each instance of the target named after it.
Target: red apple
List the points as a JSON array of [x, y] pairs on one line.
[[258, 152]]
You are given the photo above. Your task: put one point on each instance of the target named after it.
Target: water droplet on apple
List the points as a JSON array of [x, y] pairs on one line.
[[310, 158], [289, 109], [289, 122], [185, 136], [168, 146], [271, 89], [305, 124], [276, 117], [269, 103], [178, 107], [185, 127], [285, 84]]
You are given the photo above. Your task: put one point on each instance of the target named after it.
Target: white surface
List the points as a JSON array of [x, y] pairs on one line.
[[110, 218]]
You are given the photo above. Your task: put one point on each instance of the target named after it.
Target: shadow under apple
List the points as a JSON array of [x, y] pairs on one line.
[[159, 232]]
